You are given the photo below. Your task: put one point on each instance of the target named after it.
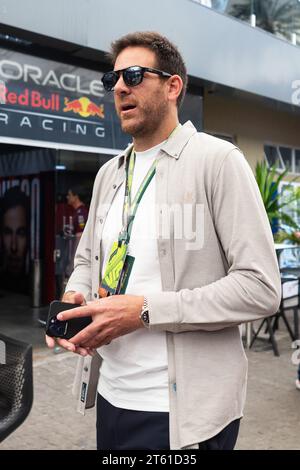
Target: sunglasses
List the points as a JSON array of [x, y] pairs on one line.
[[132, 76]]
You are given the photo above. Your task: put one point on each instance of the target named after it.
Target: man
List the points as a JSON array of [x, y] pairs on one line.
[[14, 230], [74, 198], [75, 224], [202, 261]]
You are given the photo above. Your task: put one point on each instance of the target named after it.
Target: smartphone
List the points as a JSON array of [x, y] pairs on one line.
[[66, 328]]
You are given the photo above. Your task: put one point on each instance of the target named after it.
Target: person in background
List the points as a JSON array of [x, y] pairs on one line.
[[75, 224], [14, 239], [75, 199]]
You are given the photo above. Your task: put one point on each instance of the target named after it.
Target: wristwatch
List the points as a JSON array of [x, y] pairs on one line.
[[144, 315]]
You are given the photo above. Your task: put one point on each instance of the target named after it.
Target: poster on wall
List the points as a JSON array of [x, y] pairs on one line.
[[19, 231], [56, 103], [52, 102]]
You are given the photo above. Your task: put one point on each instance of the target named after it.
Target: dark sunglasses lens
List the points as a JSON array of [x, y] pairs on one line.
[[133, 76], [109, 80]]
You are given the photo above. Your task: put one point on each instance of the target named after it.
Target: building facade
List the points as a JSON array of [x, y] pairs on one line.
[[57, 126]]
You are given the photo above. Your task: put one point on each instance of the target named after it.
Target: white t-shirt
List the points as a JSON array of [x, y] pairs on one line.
[[134, 371]]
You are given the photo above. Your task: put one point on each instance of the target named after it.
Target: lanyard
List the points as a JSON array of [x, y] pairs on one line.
[[130, 207], [119, 265]]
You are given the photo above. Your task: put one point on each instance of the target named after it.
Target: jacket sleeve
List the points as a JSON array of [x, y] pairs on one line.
[[252, 288]]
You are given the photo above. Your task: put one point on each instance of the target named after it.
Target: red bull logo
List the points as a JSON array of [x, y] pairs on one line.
[[84, 107]]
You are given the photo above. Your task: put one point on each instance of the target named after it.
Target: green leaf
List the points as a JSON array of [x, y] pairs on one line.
[[268, 181]]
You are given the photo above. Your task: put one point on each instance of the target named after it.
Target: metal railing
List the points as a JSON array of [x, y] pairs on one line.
[[278, 17]]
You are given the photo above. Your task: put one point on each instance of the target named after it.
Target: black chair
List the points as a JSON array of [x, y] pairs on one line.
[[16, 384], [267, 322], [272, 323], [295, 273]]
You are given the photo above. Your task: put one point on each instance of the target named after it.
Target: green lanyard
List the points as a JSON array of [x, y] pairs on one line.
[[119, 265], [130, 208]]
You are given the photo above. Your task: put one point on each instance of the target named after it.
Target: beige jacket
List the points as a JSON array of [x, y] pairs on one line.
[[214, 278]]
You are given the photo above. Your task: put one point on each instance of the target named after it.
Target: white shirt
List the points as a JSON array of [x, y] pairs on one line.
[[134, 371]]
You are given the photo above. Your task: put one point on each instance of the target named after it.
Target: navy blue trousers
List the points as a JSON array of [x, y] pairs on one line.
[[119, 429]]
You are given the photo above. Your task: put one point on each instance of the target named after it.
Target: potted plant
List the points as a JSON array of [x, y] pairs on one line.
[[276, 206]]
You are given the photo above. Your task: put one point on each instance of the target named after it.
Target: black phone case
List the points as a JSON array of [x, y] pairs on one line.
[[64, 329]]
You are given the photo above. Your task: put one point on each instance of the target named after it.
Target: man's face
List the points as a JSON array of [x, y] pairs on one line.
[[149, 98], [71, 197], [14, 236]]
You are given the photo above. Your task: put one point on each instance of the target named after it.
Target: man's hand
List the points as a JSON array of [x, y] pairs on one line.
[[73, 298], [112, 316]]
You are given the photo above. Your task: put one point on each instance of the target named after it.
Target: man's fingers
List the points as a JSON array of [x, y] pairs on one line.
[[101, 339], [91, 351], [97, 343], [85, 335], [66, 344], [74, 298], [82, 351], [72, 347], [50, 342], [77, 312], [79, 299]]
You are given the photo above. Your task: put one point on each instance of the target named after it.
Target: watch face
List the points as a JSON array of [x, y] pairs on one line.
[[145, 316]]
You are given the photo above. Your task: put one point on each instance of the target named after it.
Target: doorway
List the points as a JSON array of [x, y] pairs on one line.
[[40, 227], [74, 179]]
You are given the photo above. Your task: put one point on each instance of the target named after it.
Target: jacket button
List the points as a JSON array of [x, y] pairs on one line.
[[95, 295], [114, 186], [96, 258], [101, 220]]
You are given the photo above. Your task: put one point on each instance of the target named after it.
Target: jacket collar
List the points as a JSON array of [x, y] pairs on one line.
[[173, 147]]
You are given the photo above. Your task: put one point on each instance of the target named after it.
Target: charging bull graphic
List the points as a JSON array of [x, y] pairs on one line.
[[84, 107]]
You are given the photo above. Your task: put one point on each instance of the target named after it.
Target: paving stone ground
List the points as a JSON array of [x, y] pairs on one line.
[[272, 413], [53, 422]]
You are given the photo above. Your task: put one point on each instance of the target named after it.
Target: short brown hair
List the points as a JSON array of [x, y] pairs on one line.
[[168, 57]]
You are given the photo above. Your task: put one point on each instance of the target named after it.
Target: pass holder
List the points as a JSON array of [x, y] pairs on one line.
[[114, 266], [118, 267], [125, 274]]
